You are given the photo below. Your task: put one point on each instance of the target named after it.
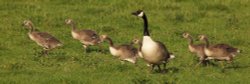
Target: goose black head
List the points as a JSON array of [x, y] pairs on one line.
[[138, 13]]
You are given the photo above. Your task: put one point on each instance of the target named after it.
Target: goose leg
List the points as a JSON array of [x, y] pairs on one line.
[[232, 64], [222, 64], [42, 52], [230, 61], [85, 48], [153, 66], [122, 62], [164, 66], [131, 60], [45, 51], [201, 61], [205, 62], [148, 64], [159, 68]]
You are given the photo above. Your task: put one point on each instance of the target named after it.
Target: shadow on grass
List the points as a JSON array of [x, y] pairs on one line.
[[227, 65], [140, 81], [93, 49], [231, 66], [207, 63], [237, 67], [171, 70]]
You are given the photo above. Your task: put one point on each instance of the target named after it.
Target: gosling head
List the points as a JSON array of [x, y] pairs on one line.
[[135, 41], [68, 21], [202, 37], [103, 37], [185, 35], [27, 23], [138, 13]]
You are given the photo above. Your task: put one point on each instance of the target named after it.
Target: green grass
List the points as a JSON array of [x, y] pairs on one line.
[[224, 21]]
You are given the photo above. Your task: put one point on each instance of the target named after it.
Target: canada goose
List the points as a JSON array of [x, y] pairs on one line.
[[219, 51], [86, 37], [139, 53], [198, 49], [43, 39], [154, 52], [123, 52]]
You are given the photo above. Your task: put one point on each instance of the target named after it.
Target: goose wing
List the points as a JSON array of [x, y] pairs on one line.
[[47, 37], [127, 50], [163, 49], [88, 35], [228, 48]]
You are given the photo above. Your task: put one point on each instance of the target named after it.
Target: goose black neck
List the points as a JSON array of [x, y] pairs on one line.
[[145, 32]]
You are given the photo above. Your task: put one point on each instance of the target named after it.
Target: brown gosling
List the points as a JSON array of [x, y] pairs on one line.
[[154, 53], [44, 39], [139, 43], [221, 52], [86, 37], [123, 52], [197, 49]]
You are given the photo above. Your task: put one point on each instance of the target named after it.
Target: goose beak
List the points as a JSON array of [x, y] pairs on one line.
[[134, 13]]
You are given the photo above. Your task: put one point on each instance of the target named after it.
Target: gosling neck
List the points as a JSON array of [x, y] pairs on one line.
[[190, 40], [31, 28], [73, 26], [111, 44], [206, 42]]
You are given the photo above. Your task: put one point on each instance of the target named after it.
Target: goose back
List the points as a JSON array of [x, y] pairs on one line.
[[44, 39], [87, 37]]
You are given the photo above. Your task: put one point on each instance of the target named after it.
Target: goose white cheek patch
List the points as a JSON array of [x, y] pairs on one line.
[[141, 14]]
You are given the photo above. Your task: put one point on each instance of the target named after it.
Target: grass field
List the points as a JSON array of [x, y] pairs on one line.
[[223, 21]]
